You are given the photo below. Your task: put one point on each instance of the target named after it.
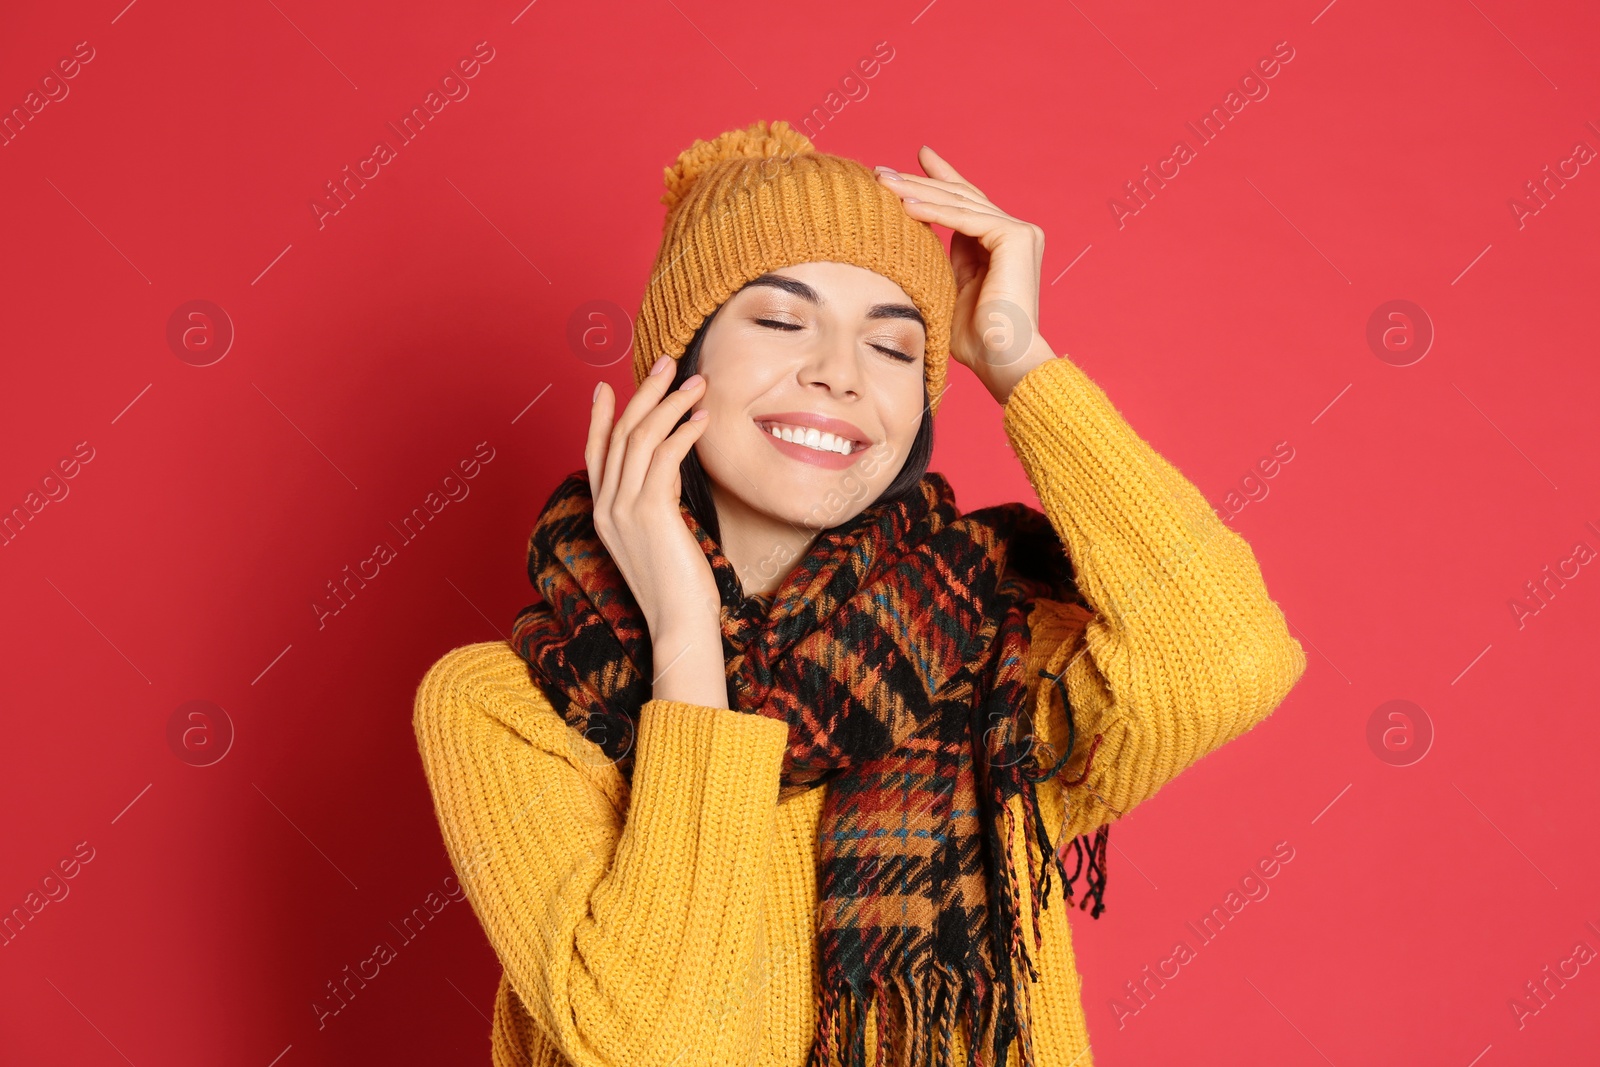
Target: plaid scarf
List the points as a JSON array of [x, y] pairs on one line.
[[895, 650]]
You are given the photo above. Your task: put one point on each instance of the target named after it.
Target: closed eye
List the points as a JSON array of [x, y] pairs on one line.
[[893, 353]]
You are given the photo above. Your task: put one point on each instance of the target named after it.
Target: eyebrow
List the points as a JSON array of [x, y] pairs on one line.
[[805, 292]]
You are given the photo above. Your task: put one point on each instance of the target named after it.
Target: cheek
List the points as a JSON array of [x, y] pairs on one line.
[[726, 405], [905, 415], [899, 413], [736, 385]]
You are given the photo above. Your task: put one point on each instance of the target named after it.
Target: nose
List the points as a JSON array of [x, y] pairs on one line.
[[832, 365]]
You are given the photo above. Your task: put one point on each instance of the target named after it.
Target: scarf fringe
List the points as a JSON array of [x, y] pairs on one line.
[[915, 1024], [1091, 847]]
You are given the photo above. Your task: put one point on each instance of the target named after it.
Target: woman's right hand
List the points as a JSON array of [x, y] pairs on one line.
[[635, 481]]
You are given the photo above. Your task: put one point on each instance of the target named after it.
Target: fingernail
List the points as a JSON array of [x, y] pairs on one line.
[[691, 381], [661, 365], [892, 175], [596, 396]]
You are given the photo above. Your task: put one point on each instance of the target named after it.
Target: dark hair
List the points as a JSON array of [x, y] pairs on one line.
[[697, 485]]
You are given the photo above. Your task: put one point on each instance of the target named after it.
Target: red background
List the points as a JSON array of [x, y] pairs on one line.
[[375, 352]]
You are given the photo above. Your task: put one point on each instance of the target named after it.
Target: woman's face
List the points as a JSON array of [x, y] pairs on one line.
[[811, 350]]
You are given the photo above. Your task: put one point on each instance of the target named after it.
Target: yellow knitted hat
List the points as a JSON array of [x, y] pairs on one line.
[[761, 198]]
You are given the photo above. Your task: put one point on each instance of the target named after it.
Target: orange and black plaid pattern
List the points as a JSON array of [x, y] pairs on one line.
[[895, 651]]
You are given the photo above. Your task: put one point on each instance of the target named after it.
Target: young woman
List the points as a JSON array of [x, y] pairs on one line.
[[780, 765]]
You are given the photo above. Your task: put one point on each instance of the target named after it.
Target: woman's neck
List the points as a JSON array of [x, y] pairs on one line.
[[762, 549]]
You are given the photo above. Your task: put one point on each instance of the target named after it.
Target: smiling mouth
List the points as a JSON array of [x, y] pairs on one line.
[[812, 438]]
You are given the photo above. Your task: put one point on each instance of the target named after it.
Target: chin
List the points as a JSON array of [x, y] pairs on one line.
[[820, 498], [794, 489]]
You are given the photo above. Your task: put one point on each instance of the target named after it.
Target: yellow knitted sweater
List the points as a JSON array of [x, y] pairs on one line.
[[670, 923]]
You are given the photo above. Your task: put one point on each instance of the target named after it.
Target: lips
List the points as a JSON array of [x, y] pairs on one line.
[[822, 423], [805, 423]]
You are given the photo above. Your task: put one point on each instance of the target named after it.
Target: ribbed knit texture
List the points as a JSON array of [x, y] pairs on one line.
[[674, 925]]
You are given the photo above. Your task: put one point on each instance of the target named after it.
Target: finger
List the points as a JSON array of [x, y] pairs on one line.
[[645, 397], [989, 227], [936, 166], [664, 469], [594, 448], [646, 437], [965, 192]]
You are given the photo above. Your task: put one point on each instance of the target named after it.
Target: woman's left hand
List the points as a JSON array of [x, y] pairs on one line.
[[997, 261]]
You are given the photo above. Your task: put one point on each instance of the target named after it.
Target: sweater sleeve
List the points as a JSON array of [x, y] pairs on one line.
[[1177, 648], [628, 921]]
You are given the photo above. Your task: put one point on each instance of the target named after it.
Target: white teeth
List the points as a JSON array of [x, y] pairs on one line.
[[811, 437]]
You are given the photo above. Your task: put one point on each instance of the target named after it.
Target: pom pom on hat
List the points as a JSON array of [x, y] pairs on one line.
[[760, 140]]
